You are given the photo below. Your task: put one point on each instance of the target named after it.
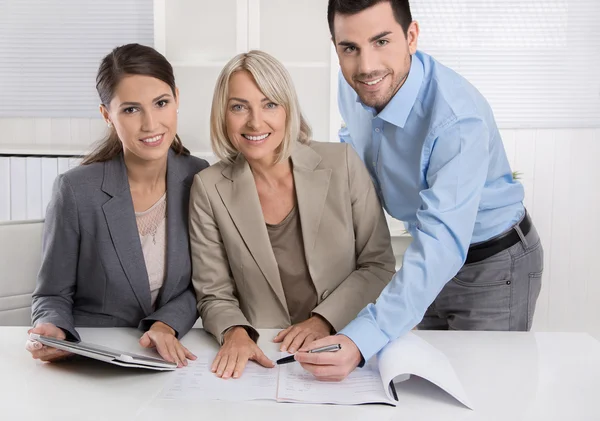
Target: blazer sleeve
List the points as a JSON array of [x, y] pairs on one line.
[[53, 296], [213, 282], [375, 261], [179, 313]]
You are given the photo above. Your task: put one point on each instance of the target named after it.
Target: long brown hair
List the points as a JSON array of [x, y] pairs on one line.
[[126, 60]]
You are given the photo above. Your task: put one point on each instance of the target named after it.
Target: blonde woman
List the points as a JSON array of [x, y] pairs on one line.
[[285, 233]]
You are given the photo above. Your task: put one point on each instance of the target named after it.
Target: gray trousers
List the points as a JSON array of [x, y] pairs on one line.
[[498, 293]]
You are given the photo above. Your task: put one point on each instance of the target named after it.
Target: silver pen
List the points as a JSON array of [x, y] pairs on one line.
[[327, 348]]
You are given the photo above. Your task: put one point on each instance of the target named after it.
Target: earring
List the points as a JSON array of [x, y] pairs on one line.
[[177, 110], [109, 124]]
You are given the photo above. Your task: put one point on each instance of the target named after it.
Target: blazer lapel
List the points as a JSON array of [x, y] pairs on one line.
[[239, 195], [312, 186], [177, 228], [120, 218]]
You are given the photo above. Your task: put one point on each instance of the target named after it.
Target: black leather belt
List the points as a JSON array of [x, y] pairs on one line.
[[482, 251]]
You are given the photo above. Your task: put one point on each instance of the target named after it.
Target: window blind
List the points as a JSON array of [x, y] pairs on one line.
[[536, 61], [50, 51]]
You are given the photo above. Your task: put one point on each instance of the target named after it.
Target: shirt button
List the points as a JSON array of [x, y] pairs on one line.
[[377, 130]]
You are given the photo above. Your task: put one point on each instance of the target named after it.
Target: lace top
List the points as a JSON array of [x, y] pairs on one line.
[[152, 228]]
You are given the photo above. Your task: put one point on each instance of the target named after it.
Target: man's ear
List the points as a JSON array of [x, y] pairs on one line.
[[412, 37]]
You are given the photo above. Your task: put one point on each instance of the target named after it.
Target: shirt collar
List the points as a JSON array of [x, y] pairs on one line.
[[397, 110]]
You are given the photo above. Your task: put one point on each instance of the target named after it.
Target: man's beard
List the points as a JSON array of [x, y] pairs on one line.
[[379, 102]]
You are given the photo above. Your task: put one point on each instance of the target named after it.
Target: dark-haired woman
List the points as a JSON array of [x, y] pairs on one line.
[[116, 249]]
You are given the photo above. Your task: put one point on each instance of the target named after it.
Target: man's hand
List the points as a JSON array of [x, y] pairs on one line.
[[235, 352], [303, 333], [330, 366], [162, 336], [43, 352]]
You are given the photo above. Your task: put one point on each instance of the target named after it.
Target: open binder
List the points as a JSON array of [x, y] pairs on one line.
[[373, 384], [101, 353]]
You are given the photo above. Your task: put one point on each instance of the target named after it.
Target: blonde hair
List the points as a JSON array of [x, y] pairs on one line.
[[276, 84]]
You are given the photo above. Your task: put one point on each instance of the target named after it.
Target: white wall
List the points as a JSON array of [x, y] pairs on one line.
[[561, 175], [49, 135]]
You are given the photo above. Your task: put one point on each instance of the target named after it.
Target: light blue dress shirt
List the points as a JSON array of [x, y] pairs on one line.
[[438, 163]]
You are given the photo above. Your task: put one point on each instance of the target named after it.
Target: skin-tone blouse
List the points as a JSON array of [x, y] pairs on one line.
[[288, 247]]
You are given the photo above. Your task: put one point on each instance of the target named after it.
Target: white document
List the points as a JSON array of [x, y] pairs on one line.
[[374, 383], [49, 174], [18, 188], [361, 386], [34, 187], [412, 355], [4, 188], [197, 382]]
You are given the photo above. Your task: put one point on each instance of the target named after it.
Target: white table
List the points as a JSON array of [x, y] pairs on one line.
[[507, 375]]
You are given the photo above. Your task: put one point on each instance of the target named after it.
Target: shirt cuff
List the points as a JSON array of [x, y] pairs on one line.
[[366, 335]]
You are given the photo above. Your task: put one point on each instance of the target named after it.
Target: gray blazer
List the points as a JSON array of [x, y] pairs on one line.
[[93, 271]]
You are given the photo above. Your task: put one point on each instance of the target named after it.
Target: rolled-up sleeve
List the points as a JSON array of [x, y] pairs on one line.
[[455, 178]]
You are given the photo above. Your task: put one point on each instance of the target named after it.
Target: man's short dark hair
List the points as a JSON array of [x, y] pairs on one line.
[[401, 9]]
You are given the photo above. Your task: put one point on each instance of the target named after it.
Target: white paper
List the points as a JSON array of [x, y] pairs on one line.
[[412, 355], [363, 385], [197, 382], [291, 383]]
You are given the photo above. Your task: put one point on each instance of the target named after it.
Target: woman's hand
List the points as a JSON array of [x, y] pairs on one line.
[[235, 352], [162, 337], [43, 352], [303, 333]]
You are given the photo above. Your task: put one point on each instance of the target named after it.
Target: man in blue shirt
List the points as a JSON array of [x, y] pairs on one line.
[[431, 145]]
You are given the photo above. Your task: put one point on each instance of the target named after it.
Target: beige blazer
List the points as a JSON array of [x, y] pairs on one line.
[[346, 241]]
